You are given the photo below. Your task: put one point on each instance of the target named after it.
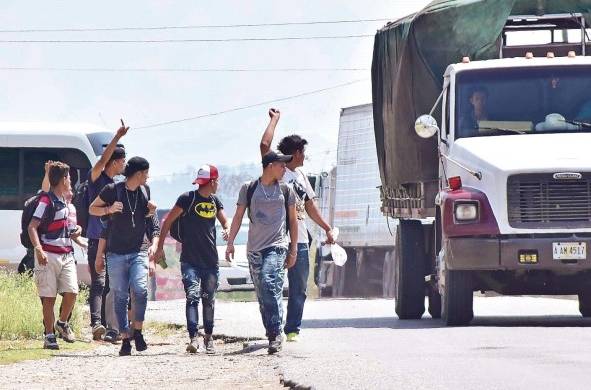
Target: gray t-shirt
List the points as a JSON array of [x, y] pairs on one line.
[[267, 210]]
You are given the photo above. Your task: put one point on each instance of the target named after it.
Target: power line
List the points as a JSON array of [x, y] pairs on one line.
[[212, 70], [251, 105], [190, 40], [187, 27]]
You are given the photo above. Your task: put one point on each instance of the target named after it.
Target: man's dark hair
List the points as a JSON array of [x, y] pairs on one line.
[[57, 171], [477, 89], [291, 144]]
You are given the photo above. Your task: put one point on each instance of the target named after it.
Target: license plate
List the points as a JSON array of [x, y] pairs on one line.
[[569, 250]]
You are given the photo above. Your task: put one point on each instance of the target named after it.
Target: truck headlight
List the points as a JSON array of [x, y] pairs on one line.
[[466, 211]]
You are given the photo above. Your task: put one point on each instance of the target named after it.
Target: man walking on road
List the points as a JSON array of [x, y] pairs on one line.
[[128, 205], [198, 211], [271, 209], [55, 269], [295, 145], [111, 163]]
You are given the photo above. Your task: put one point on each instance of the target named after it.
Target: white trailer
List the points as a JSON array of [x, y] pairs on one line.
[[350, 199]]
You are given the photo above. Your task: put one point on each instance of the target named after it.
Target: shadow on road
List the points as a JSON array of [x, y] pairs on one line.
[[376, 322], [428, 323], [533, 321]]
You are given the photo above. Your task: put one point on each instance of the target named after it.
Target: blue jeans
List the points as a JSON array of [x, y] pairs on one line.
[[298, 283], [199, 283], [128, 273], [267, 273]]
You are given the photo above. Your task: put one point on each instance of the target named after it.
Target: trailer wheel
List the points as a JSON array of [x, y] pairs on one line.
[[585, 303], [458, 298], [434, 303], [388, 275], [409, 270]]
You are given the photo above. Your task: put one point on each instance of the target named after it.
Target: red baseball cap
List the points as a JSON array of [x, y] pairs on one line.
[[205, 174]]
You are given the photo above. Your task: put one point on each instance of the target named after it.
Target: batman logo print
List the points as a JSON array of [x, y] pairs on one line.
[[205, 210]]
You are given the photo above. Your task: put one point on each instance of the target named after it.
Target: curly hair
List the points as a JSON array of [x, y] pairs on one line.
[[291, 144]]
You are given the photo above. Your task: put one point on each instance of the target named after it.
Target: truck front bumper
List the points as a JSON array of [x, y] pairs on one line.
[[503, 253]]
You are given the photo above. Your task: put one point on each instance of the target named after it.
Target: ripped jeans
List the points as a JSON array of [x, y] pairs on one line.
[[267, 273], [199, 283]]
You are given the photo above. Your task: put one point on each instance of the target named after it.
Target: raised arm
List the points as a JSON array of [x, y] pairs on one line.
[[106, 156], [45, 183], [267, 138]]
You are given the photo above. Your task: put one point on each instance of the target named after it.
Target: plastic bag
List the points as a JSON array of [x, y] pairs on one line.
[[339, 256]]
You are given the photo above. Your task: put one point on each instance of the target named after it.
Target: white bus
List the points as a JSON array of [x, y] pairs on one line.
[[24, 149]]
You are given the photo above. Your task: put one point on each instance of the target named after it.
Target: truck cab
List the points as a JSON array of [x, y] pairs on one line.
[[505, 205]]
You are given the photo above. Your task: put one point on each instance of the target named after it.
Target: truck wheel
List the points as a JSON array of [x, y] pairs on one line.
[[409, 270], [585, 303], [388, 282], [434, 303], [458, 298]]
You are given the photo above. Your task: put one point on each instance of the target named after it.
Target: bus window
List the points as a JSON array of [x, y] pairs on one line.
[[34, 169], [9, 183]]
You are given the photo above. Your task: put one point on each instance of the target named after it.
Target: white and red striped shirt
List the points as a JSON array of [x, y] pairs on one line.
[[56, 238]]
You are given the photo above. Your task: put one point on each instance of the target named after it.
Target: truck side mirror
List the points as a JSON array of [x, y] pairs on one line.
[[426, 126]]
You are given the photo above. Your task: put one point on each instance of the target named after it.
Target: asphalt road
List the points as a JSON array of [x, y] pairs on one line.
[[513, 343]]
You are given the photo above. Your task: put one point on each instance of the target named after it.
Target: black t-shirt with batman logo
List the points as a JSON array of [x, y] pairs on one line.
[[198, 227]]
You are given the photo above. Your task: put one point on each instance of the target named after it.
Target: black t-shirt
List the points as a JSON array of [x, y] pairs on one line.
[[198, 225], [125, 236]]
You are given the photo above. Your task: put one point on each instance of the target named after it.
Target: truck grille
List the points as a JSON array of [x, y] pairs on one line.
[[538, 201]]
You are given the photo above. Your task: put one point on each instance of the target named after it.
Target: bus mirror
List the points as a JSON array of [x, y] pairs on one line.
[[426, 126]]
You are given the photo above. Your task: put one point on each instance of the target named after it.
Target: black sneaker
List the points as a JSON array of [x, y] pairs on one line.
[[110, 336], [125, 348], [50, 342], [140, 343], [275, 344]]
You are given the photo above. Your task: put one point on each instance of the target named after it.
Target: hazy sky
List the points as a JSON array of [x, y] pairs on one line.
[[145, 98]]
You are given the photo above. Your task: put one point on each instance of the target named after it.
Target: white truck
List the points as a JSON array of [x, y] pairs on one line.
[[496, 196], [350, 199]]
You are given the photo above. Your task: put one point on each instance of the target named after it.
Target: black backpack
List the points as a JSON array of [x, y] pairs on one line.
[[28, 211], [284, 189], [81, 202], [176, 230]]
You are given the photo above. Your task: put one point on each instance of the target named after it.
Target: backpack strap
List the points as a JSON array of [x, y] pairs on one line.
[[252, 186], [190, 204], [50, 212], [285, 191], [146, 191]]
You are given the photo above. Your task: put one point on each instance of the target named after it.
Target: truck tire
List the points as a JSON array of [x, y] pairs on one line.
[[457, 299], [585, 303], [409, 270], [388, 275], [434, 303]]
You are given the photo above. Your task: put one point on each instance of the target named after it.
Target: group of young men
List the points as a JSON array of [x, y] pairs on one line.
[[123, 232]]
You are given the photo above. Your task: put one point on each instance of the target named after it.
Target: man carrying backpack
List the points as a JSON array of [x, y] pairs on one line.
[[194, 215], [271, 208], [127, 203], [111, 163], [305, 205], [55, 269]]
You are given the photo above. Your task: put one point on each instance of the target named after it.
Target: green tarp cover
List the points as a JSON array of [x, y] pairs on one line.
[[409, 59]]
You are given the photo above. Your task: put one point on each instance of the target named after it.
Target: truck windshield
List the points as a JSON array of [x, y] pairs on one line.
[[517, 101]]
